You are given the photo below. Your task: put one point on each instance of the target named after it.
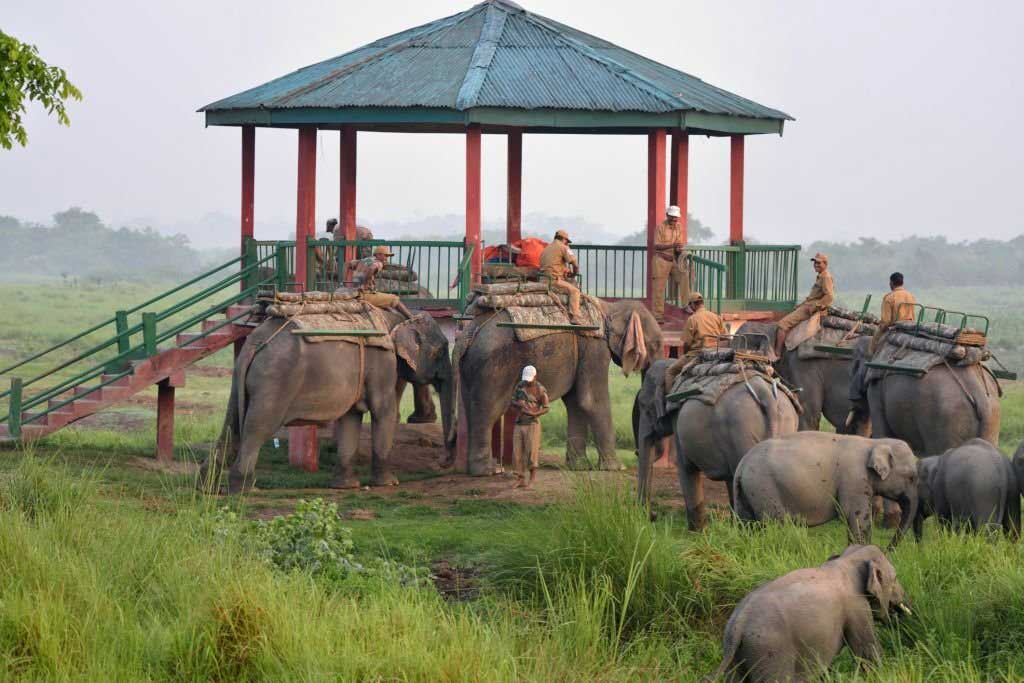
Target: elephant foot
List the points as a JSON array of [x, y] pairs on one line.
[[343, 482], [578, 463], [696, 520], [208, 481], [610, 465], [488, 468], [415, 419], [385, 478], [237, 484]]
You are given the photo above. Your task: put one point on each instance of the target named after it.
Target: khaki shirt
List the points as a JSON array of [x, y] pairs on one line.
[[555, 258], [668, 233], [893, 307], [823, 292], [701, 329], [364, 273]]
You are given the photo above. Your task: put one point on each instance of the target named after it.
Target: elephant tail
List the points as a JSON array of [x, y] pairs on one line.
[[730, 647], [242, 364], [744, 511], [1011, 514]]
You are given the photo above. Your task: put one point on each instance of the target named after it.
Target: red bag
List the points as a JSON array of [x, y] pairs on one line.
[[529, 252]]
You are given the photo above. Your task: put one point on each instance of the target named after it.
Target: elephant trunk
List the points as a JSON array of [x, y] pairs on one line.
[[446, 391], [908, 512]]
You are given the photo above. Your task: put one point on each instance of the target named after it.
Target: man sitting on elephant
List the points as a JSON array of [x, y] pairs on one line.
[[897, 305], [555, 263], [364, 276], [819, 299], [702, 329]]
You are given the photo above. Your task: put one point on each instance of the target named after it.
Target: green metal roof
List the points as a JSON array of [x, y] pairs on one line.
[[498, 65]]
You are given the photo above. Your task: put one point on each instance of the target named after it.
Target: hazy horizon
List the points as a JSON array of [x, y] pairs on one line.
[[904, 113]]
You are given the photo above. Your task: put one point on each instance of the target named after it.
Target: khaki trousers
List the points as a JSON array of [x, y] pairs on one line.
[[561, 285], [526, 447], [380, 300], [670, 276], [800, 313]]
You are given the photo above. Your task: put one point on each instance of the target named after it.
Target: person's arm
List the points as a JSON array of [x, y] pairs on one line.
[[688, 335], [519, 402], [828, 293]]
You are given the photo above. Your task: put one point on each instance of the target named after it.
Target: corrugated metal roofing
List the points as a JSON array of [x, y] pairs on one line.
[[495, 54]]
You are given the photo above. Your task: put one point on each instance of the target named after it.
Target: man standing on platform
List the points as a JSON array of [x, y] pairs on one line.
[[669, 263], [897, 305], [555, 263], [531, 400], [819, 299]]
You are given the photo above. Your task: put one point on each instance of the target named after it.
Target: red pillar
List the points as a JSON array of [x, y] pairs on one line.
[[655, 193], [347, 207], [304, 448], [473, 197], [305, 202], [165, 421], [248, 182], [736, 190], [514, 215], [680, 172]]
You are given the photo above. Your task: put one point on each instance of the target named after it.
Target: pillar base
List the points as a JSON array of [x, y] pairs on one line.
[[304, 448]]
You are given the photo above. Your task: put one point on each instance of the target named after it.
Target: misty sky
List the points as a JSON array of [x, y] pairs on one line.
[[907, 116]]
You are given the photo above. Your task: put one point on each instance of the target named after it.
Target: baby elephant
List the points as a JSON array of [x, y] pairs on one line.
[[804, 476], [971, 484], [791, 629]]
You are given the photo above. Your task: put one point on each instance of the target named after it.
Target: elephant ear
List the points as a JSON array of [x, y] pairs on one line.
[[634, 345], [407, 344], [880, 461], [879, 584]]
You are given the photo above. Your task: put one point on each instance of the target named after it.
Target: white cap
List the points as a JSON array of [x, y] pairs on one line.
[[673, 211], [529, 372]]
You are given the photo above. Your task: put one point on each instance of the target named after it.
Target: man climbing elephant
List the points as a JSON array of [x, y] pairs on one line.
[[364, 276], [668, 263], [819, 299], [702, 329], [555, 262]]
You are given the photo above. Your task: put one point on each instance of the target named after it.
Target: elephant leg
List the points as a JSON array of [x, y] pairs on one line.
[[576, 435], [591, 395], [691, 481], [858, 521], [346, 436], [732, 500], [263, 417], [424, 412], [646, 454], [1011, 516], [384, 416]]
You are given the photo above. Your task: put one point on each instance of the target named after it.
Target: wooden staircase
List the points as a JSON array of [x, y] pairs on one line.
[[165, 368]]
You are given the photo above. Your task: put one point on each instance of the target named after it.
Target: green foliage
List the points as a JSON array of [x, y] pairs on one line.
[[25, 76], [310, 539], [36, 490], [80, 245]]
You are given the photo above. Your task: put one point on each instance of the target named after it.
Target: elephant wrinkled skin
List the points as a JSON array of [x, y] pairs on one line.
[[573, 368], [972, 485], [791, 629], [280, 379], [816, 477], [710, 440]]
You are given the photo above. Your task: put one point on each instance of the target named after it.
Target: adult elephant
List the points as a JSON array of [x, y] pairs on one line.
[[824, 384], [279, 379], [947, 407], [710, 440], [572, 367]]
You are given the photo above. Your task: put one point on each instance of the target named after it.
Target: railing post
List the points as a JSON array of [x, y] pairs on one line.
[[282, 268], [121, 324], [311, 266], [14, 408], [149, 333], [249, 258]]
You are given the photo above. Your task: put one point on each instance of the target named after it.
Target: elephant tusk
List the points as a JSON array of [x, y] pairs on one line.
[[906, 610]]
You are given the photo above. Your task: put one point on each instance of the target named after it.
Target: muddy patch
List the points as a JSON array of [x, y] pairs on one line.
[[454, 583]]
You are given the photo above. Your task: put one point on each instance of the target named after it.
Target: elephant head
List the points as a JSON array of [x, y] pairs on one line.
[[892, 471], [422, 350], [926, 469], [883, 590], [634, 336]]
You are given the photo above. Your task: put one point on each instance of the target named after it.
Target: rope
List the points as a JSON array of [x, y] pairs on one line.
[[974, 403]]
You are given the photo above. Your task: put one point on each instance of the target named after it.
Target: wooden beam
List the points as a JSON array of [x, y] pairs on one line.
[[165, 420], [347, 195], [736, 189], [655, 194], [305, 202], [248, 183], [514, 213], [680, 175], [473, 198]]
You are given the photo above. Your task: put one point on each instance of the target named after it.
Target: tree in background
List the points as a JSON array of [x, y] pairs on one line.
[[24, 75]]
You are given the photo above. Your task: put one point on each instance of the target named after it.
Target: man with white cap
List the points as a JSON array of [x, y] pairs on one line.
[[531, 400], [668, 262], [821, 296]]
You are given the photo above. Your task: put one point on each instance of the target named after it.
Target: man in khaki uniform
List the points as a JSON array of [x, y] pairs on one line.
[[555, 262], [364, 276], [665, 264], [897, 305], [819, 299], [530, 398], [700, 332]]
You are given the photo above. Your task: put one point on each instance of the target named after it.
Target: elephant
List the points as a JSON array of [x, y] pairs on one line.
[[791, 629], [817, 477], [573, 368], [280, 379], [945, 408], [710, 440], [824, 385], [973, 484]]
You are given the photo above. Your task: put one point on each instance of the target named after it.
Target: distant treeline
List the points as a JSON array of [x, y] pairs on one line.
[[78, 245], [924, 261]]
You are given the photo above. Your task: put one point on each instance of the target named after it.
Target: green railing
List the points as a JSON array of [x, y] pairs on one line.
[[121, 342], [758, 276]]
